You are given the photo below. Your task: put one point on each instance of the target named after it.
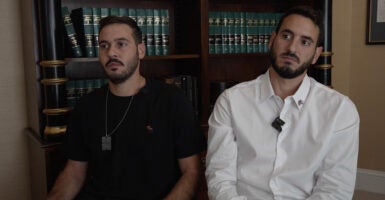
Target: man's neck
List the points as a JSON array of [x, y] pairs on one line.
[[284, 87], [129, 87]]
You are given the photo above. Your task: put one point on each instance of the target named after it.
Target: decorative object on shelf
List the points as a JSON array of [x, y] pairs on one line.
[[375, 31]]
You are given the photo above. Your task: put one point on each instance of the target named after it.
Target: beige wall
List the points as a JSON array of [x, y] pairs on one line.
[[360, 73], [14, 172]]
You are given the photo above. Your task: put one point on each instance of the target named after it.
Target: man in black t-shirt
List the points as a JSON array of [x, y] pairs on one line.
[[136, 138]]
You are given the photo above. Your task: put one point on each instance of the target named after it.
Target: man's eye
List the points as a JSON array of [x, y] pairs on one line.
[[306, 42], [122, 44], [286, 36], [103, 46]]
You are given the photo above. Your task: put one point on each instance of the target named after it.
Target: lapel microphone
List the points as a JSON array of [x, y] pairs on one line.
[[277, 124]]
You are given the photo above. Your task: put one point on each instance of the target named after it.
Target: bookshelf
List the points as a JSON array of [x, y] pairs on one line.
[[189, 55]]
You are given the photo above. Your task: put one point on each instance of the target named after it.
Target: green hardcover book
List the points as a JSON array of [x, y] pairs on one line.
[[141, 17], [211, 33], [261, 36], [225, 33], [243, 32], [249, 32], [71, 94], [237, 32], [165, 31], [89, 85], [218, 33], [157, 33], [71, 34], [266, 32], [132, 13], [256, 46], [104, 12], [122, 12], [96, 20], [114, 11], [82, 18], [80, 89], [231, 31], [150, 47]]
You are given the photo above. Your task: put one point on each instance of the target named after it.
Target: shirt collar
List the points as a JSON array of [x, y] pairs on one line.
[[299, 96], [266, 88]]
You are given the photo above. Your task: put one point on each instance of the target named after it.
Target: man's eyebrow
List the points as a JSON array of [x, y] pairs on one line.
[[117, 39], [120, 39]]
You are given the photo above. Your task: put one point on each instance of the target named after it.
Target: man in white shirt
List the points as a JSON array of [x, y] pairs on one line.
[[284, 135]]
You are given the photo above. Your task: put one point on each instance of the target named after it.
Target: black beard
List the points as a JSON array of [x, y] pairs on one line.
[[285, 71], [120, 78], [117, 79]]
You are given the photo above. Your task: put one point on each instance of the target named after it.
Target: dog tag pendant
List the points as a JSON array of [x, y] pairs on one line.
[[106, 143]]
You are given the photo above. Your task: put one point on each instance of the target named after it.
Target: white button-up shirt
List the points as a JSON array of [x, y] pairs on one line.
[[313, 157]]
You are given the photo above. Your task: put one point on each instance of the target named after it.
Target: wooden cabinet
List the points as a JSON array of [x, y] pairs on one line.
[[189, 54]]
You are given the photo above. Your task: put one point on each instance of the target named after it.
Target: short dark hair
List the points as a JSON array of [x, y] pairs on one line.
[[314, 15], [136, 32]]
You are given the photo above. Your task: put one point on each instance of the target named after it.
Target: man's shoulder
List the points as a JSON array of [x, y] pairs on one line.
[[329, 96]]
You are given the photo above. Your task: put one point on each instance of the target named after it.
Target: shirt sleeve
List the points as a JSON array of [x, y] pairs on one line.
[[221, 155], [336, 177]]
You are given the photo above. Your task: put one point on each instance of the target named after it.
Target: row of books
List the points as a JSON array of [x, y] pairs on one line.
[[75, 89], [82, 28], [240, 32]]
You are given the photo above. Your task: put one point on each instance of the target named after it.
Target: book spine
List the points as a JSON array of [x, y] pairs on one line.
[[225, 33], [104, 12], [122, 12], [141, 17], [71, 94], [114, 11], [211, 33], [249, 32], [71, 34], [266, 32], [83, 22], [261, 35], [165, 31], [218, 32], [256, 30], [150, 32], [96, 18], [157, 33], [132, 13], [243, 32], [231, 32], [237, 32]]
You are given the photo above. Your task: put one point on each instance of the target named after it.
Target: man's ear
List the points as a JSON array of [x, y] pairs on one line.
[[141, 50], [318, 52]]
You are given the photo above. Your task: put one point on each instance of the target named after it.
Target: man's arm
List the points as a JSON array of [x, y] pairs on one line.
[[336, 177], [70, 181], [222, 152], [186, 186]]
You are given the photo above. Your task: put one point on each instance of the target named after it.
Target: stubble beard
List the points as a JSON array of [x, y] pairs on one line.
[[286, 71], [129, 70]]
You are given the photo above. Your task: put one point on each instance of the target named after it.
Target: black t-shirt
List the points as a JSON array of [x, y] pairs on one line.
[[160, 127]]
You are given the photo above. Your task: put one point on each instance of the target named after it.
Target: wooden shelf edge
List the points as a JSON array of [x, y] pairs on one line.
[[166, 57], [232, 55]]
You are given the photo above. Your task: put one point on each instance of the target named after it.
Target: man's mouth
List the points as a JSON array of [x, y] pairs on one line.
[[114, 63], [290, 58]]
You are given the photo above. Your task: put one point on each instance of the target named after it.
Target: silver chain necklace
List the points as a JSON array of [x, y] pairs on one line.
[[106, 140]]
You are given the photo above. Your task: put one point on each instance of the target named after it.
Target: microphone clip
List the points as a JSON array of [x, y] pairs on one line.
[[277, 124]]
